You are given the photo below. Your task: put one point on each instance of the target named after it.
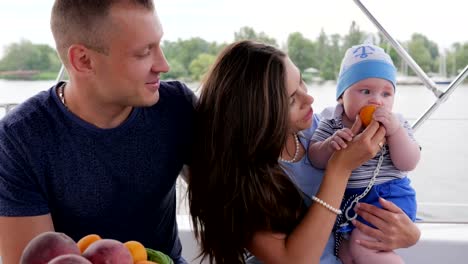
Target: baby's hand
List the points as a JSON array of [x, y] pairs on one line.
[[338, 140], [388, 119]]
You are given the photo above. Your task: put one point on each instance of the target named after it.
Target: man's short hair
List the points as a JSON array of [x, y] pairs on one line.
[[84, 22]]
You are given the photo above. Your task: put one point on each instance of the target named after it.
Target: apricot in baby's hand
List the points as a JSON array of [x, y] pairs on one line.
[[366, 113]]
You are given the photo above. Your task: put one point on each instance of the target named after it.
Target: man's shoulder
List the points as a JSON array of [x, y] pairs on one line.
[[176, 96], [175, 89], [173, 85], [28, 111]]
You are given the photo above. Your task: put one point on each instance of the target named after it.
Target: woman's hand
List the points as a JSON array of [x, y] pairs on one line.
[[394, 228], [363, 147]]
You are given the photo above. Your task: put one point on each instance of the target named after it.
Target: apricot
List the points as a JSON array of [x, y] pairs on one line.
[[137, 250], [46, 246], [84, 242], [146, 262], [69, 259], [366, 113], [108, 251]]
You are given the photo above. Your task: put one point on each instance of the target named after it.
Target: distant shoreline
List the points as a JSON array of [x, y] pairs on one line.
[[28, 75]]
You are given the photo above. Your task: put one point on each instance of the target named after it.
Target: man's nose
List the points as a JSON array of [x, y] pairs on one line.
[[160, 63]]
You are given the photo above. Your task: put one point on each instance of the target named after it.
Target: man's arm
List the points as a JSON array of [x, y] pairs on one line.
[[16, 232]]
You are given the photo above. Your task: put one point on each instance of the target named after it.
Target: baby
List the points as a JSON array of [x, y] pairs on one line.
[[368, 77]]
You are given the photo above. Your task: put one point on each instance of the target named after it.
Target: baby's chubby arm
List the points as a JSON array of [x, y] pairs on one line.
[[404, 151], [320, 151]]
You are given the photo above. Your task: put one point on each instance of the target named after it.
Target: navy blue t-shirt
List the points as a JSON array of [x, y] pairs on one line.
[[118, 183]]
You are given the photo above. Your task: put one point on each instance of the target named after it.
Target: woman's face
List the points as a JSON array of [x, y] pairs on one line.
[[300, 109]]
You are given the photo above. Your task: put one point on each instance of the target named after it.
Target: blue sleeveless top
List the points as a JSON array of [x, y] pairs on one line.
[[308, 179]]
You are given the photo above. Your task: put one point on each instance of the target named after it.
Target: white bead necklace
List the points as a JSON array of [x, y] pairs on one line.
[[296, 153]]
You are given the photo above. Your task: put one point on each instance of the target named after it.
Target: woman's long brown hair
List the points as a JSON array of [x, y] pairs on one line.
[[237, 187]]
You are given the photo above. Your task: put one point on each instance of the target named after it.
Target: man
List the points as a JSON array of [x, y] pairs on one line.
[[101, 153]]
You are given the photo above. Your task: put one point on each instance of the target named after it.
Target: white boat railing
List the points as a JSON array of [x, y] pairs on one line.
[[61, 74], [8, 107], [428, 82]]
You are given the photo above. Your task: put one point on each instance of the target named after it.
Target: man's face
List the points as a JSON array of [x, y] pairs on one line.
[[129, 74]]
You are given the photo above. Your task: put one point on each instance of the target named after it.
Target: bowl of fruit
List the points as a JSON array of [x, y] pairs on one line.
[[58, 248]]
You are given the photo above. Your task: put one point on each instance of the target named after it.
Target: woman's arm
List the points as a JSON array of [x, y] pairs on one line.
[[394, 229], [307, 241]]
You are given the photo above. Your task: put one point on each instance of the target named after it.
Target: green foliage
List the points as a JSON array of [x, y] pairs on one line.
[[177, 70], [248, 33], [420, 54], [424, 52], [430, 45], [301, 51], [335, 55], [329, 69], [382, 42], [28, 56], [190, 59], [330, 55], [457, 58], [355, 36], [182, 53], [200, 66], [394, 55]]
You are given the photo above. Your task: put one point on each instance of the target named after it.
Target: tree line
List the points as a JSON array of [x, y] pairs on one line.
[[190, 59]]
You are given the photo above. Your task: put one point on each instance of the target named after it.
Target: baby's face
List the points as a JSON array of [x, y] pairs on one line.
[[374, 91]]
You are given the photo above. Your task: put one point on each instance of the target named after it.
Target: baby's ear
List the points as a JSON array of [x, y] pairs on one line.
[[340, 100]]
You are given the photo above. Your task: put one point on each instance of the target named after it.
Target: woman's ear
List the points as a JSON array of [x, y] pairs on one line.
[[79, 58]]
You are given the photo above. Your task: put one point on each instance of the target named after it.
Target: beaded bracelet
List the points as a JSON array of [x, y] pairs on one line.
[[329, 207]]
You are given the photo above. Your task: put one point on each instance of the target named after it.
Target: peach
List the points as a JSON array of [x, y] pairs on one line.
[[69, 259], [47, 246], [108, 251]]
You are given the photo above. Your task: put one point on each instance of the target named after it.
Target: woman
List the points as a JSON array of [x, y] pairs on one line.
[[249, 187]]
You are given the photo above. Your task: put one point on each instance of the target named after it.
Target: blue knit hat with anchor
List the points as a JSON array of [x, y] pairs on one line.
[[364, 61]]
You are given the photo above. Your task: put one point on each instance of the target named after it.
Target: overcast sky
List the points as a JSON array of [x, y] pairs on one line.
[[216, 20]]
